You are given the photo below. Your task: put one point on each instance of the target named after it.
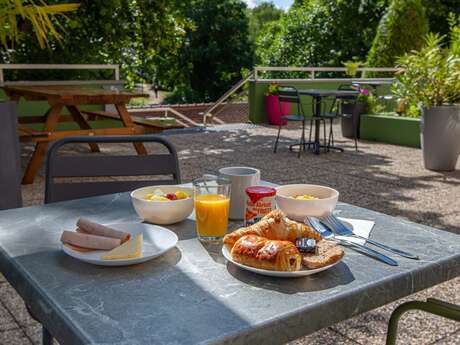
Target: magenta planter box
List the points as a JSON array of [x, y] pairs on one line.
[[274, 112]]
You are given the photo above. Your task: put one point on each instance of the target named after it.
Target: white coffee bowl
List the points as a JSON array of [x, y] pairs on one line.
[[162, 212], [298, 209]]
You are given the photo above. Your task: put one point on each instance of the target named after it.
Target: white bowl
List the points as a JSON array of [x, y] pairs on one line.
[[162, 212], [298, 209]]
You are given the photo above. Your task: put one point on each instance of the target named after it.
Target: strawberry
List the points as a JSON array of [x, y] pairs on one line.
[[171, 196]]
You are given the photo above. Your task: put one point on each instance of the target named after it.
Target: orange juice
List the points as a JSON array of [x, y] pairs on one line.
[[212, 214]]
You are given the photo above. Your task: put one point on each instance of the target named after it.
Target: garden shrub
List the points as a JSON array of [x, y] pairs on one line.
[[402, 29]]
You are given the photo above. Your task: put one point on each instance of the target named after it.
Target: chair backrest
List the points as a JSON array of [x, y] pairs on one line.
[[94, 165], [289, 95], [348, 87]]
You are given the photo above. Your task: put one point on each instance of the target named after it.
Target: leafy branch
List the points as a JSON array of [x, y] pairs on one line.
[[40, 15]]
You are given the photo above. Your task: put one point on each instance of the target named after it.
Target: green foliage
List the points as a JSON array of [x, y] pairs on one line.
[[430, 76], [374, 105], [320, 32], [37, 13], [216, 50], [412, 111], [352, 67], [273, 89], [138, 101], [437, 12], [261, 15], [454, 34], [402, 29], [126, 32]]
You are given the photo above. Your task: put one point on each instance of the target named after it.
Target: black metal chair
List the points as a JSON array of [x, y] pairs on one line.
[[93, 165], [328, 114], [336, 111], [291, 95]]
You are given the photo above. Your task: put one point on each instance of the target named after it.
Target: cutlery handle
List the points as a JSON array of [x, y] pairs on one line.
[[390, 249], [371, 252]]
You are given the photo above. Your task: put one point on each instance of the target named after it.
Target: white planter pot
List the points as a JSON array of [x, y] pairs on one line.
[[440, 137]]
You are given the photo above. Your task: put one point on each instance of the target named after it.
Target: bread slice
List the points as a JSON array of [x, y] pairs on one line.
[[326, 253]]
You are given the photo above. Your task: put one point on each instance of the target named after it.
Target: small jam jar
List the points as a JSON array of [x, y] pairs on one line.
[[260, 201]]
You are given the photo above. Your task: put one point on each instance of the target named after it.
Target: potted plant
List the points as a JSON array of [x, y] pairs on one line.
[[431, 78], [351, 67], [272, 104]]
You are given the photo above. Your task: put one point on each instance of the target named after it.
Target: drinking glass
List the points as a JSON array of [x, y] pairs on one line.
[[212, 203]]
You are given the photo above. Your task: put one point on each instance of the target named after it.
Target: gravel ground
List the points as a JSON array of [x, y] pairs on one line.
[[385, 178]]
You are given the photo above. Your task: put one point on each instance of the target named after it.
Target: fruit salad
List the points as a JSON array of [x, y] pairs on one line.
[[304, 197], [159, 195]]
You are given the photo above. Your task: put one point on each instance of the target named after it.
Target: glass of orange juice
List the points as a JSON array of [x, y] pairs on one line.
[[212, 203]]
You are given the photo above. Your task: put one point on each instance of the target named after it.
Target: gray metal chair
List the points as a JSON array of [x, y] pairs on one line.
[[93, 165]]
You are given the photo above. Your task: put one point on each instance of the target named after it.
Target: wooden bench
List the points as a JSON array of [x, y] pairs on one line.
[[151, 125], [28, 134]]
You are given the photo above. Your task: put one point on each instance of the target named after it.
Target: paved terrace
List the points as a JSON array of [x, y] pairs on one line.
[[385, 178]]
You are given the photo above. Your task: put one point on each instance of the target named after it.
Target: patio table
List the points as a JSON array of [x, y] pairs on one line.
[[318, 95], [71, 98], [373, 83], [191, 295]]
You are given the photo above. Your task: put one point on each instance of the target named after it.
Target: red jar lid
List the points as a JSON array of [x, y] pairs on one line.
[[256, 192]]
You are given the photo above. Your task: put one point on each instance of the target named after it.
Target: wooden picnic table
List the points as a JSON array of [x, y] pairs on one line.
[[71, 98]]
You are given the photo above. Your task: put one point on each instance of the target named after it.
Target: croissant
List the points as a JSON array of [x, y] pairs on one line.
[[255, 251], [274, 226]]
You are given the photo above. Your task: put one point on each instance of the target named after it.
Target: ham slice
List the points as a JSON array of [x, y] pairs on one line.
[[88, 227], [89, 241], [80, 249]]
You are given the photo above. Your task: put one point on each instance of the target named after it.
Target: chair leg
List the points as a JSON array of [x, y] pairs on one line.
[[355, 135], [432, 306], [309, 136], [302, 140], [332, 131], [330, 139], [47, 338], [326, 148], [277, 138]]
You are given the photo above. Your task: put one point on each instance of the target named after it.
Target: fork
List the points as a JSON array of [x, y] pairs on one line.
[[341, 229], [328, 234]]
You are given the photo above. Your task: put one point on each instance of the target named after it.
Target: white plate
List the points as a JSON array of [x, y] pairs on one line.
[[157, 241], [280, 274]]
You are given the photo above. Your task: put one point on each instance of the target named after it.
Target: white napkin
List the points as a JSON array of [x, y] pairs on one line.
[[360, 227]]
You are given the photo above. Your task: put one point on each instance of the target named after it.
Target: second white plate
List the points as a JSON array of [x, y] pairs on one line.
[[157, 241], [280, 274]]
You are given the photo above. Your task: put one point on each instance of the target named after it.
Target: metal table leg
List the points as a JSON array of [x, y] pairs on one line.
[[47, 338], [432, 306], [317, 144]]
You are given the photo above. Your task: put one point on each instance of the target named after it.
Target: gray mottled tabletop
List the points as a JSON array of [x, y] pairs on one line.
[[191, 295]]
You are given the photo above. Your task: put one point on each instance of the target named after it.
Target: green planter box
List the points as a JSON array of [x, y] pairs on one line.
[[404, 131], [257, 90]]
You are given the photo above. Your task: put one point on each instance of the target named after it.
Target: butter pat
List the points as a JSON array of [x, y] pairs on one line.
[[128, 250]]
